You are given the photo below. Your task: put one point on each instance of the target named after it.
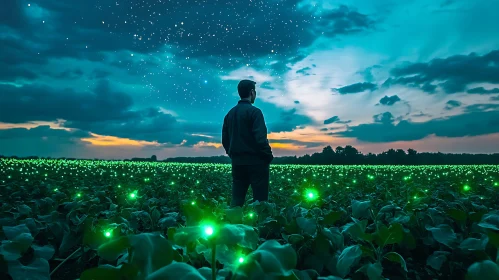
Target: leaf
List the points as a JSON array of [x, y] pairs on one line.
[[474, 244], [44, 252], [332, 217], [155, 215], [111, 250], [437, 259], [295, 238], [150, 252], [356, 229], [186, 235], [13, 232], [271, 258], [483, 270], [372, 270], [396, 257], [444, 234], [307, 225], [348, 258], [456, 214], [176, 271], [392, 235], [320, 245], [493, 238], [314, 262], [490, 221], [234, 215], [37, 270], [335, 236], [242, 235], [107, 272], [360, 209]]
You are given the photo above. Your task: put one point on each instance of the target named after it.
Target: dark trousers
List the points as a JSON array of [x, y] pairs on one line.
[[243, 176]]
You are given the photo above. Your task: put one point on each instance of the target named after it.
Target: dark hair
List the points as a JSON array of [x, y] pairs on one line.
[[244, 88]]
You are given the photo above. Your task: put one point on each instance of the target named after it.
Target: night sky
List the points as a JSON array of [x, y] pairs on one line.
[[120, 79]]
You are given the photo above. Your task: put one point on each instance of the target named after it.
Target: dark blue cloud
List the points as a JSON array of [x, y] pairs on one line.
[[481, 90], [451, 104], [288, 121], [335, 119], [477, 121], [389, 100], [452, 74], [356, 88]]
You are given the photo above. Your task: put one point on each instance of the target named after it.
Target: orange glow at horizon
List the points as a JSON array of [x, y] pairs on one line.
[[112, 141]]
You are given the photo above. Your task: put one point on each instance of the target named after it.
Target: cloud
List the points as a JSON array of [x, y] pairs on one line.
[[473, 123], [288, 121], [451, 104], [452, 74], [389, 100], [101, 111], [481, 90], [356, 88], [304, 71], [335, 119], [385, 118]]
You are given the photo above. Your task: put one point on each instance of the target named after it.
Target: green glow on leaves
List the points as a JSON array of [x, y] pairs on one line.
[[108, 234], [496, 184], [78, 195], [56, 189], [133, 195], [354, 181], [466, 188], [251, 215], [241, 260], [208, 230], [311, 194], [193, 203], [119, 186]]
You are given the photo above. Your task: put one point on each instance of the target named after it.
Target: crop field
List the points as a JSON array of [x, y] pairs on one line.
[[147, 220]]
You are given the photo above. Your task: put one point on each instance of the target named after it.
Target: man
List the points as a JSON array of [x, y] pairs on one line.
[[244, 138]]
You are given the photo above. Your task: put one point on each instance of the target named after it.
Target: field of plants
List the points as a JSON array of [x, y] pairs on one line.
[[146, 220]]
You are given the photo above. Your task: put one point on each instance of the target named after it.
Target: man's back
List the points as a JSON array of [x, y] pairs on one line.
[[244, 135]]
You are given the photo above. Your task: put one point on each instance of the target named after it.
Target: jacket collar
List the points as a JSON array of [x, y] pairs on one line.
[[244, 101]]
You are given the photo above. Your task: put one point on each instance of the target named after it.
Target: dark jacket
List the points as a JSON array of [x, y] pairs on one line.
[[244, 135]]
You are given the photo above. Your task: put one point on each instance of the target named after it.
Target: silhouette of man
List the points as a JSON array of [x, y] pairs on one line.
[[244, 138]]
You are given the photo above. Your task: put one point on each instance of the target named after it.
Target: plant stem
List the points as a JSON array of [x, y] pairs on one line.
[[65, 260], [213, 261]]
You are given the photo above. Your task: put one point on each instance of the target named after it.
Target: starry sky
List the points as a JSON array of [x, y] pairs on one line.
[[132, 78]]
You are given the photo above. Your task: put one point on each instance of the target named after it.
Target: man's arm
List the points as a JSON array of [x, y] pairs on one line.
[[225, 136], [260, 133]]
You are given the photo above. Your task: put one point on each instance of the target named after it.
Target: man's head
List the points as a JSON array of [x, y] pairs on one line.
[[246, 90]]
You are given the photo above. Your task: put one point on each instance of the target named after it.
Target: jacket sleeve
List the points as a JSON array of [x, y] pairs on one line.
[[260, 134], [225, 136]]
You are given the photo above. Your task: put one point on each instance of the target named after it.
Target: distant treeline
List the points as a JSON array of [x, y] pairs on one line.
[[349, 155]]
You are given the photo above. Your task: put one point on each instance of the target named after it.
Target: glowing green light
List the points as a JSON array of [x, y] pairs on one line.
[[193, 203], [496, 184], [415, 197], [466, 188], [56, 189], [108, 234], [241, 260], [310, 195], [354, 181], [197, 181], [133, 195], [251, 215], [208, 230], [119, 186], [78, 195]]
